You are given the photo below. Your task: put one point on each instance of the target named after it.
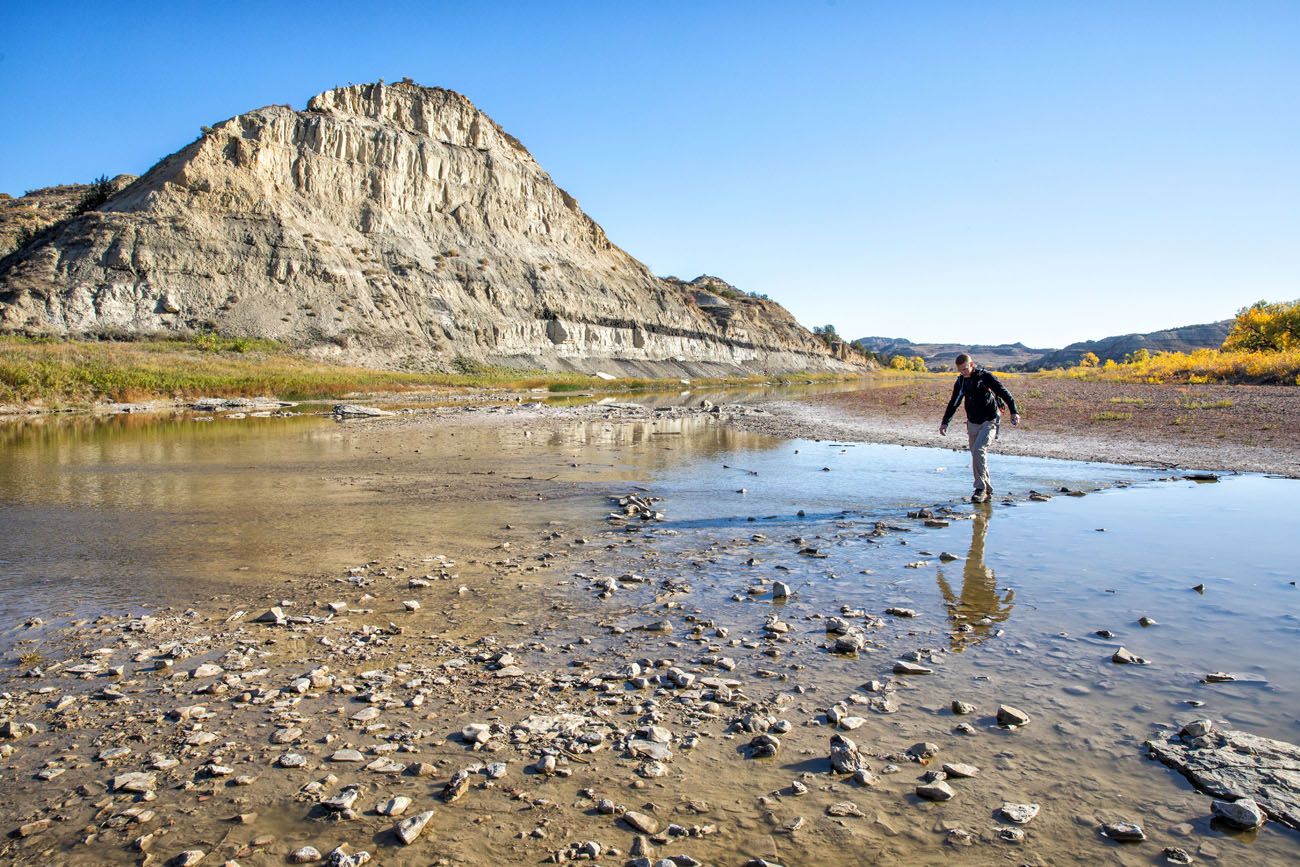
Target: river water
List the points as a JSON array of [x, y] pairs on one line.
[[115, 514]]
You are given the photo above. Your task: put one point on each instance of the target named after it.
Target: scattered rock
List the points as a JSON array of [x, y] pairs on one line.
[[1012, 716], [937, 791], [1019, 814], [408, 830], [1242, 813], [1124, 832], [1124, 657]]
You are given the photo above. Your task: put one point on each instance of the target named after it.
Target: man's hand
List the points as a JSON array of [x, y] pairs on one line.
[[1015, 419], [943, 430]]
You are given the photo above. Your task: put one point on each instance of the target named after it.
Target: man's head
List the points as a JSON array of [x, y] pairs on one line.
[[965, 364]]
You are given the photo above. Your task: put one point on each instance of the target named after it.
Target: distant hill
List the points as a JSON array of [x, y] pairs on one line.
[[1184, 339], [939, 356]]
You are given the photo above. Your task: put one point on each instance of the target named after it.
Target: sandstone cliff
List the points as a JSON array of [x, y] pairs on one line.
[[389, 225]]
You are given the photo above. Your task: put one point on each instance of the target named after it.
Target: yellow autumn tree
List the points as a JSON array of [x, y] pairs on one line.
[[1265, 327]]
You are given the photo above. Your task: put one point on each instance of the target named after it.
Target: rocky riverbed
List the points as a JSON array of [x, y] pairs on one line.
[[619, 688]]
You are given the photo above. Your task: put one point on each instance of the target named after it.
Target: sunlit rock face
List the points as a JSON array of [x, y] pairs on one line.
[[394, 225]]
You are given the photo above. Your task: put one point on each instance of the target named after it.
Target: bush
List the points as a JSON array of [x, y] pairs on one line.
[[1264, 327], [100, 190]]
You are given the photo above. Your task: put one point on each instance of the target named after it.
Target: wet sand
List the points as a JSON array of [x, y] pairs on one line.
[[617, 668]]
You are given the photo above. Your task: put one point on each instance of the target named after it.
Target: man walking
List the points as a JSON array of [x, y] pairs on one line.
[[980, 390]]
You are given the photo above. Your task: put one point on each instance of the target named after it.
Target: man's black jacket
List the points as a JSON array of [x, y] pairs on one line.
[[978, 392]]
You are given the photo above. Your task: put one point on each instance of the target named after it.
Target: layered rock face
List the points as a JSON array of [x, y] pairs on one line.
[[390, 225]]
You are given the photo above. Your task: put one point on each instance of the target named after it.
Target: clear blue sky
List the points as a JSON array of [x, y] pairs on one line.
[[1042, 171]]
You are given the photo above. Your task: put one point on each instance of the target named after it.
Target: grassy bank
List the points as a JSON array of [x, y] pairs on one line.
[[64, 373]]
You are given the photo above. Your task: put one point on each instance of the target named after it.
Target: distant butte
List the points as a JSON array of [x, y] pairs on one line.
[[389, 225]]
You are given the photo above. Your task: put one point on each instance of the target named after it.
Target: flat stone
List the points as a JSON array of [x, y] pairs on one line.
[[1125, 832], [957, 770], [1019, 814], [641, 823], [394, 806], [348, 755], [305, 855], [286, 735], [1234, 765], [137, 781], [1012, 716], [937, 791], [905, 667], [844, 809], [645, 749], [188, 858]]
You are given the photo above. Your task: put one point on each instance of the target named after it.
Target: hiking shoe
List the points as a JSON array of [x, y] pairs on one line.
[[979, 497]]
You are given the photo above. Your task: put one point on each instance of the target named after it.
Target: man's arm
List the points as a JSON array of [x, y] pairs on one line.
[[1001, 391], [953, 403]]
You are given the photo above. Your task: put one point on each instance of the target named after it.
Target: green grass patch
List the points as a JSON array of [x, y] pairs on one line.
[[1134, 401], [1189, 403], [1112, 416]]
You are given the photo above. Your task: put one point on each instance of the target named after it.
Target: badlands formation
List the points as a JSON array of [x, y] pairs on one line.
[[389, 225]]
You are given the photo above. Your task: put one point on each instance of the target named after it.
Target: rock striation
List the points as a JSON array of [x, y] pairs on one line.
[[394, 225]]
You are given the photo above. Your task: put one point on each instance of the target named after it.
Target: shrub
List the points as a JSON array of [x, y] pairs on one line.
[[1264, 327], [100, 189]]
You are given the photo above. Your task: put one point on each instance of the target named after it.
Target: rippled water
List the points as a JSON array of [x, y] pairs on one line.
[[101, 515]]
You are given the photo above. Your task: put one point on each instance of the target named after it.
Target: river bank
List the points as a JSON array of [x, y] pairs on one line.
[[1241, 428], [586, 672]]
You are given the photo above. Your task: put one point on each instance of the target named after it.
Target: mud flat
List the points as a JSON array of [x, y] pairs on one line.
[[1244, 428], [650, 660]]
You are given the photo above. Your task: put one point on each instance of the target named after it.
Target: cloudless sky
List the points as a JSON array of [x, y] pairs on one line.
[[943, 171]]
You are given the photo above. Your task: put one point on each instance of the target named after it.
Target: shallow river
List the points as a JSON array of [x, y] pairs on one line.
[[115, 514]]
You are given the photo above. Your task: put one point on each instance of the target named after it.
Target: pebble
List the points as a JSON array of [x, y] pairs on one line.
[[1019, 814], [394, 806], [347, 755], [305, 855], [1125, 832], [845, 808], [962, 708], [936, 791], [408, 830], [187, 858], [1124, 657], [641, 823], [1243, 813], [1176, 855], [958, 770], [1011, 716], [904, 667]]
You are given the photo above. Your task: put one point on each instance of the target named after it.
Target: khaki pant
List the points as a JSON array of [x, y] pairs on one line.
[[979, 436]]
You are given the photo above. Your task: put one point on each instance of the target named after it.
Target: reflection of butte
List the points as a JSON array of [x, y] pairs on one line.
[[978, 607]]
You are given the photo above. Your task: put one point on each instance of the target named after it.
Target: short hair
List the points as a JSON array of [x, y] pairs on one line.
[[963, 358]]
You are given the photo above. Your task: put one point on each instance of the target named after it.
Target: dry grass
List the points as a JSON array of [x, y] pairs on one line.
[[57, 373]]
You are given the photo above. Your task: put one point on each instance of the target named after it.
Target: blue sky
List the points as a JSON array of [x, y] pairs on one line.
[[966, 171]]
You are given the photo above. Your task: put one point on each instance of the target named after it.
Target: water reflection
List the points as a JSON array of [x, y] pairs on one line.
[[978, 607]]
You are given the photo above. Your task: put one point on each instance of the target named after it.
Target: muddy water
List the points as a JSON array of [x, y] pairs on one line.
[[109, 516]]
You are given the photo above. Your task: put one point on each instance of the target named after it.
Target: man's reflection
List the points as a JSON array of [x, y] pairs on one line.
[[974, 612]]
